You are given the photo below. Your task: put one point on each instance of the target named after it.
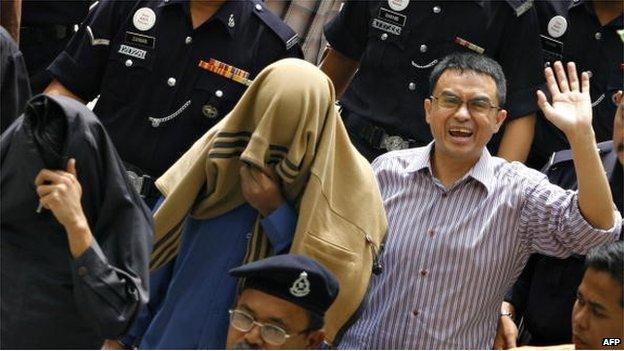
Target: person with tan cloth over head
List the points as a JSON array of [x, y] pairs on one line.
[[284, 133]]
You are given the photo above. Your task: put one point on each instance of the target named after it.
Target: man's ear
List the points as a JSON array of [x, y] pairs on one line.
[[501, 115], [427, 105], [315, 339]]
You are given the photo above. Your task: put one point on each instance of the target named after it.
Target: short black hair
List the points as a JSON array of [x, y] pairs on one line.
[[609, 258], [315, 321], [465, 61]]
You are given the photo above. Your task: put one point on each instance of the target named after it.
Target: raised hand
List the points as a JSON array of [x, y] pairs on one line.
[[571, 109]]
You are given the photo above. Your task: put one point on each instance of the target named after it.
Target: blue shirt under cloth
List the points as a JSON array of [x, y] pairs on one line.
[[190, 297]]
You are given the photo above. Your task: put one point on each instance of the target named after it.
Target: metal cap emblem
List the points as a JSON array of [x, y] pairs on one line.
[[301, 286]]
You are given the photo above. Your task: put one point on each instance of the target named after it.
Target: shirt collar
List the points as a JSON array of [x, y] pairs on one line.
[[482, 171], [231, 9]]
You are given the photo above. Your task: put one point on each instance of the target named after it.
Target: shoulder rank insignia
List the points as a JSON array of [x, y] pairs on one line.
[[227, 71]]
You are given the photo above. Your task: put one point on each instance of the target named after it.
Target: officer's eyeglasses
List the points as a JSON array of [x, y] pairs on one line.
[[476, 107], [270, 333]]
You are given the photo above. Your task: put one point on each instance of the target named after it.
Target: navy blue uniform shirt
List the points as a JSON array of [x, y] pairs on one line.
[[576, 34], [398, 42], [142, 58]]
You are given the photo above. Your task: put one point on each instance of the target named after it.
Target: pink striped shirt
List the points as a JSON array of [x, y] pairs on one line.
[[451, 254]]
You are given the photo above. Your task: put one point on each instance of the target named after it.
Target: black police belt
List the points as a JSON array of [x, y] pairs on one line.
[[375, 136], [142, 182], [43, 33]]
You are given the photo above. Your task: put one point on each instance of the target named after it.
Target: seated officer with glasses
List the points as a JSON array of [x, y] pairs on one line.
[[285, 297]]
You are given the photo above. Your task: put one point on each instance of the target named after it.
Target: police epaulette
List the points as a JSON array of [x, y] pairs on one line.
[[288, 36], [520, 6], [566, 155]]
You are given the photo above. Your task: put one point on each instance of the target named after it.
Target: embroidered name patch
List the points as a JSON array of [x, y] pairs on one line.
[[134, 52], [392, 16], [140, 39], [386, 27]]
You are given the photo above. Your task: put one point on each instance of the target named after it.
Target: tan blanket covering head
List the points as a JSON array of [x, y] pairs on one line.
[[287, 119]]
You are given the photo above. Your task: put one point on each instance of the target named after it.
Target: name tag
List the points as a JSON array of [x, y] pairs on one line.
[[392, 17], [386, 27], [140, 39]]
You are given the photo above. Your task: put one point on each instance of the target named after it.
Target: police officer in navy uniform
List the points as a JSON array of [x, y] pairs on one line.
[[396, 43], [546, 290], [46, 28], [287, 296], [585, 32], [166, 71]]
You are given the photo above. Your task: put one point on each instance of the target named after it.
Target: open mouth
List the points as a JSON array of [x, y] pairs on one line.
[[460, 134]]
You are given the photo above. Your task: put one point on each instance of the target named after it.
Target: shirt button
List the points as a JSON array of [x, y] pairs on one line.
[[188, 40], [424, 272], [423, 48], [82, 271], [411, 86], [437, 9], [431, 232], [128, 63], [258, 7], [444, 194], [598, 35], [218, 93], [171, 82], [384, 36], [415, 312]]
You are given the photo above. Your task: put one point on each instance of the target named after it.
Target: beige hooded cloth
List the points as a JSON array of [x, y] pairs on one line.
[[286, 119]]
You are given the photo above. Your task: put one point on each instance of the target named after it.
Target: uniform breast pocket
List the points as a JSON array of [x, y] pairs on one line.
[[214, 97], [128, 73]]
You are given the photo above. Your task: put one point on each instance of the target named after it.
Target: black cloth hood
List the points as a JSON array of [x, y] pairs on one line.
[[48, 298]]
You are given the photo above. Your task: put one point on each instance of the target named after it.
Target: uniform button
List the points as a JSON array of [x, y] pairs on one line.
[[411, 86], [437, 9], [249, 236], [258, 7], [188, 40], [171, 82], [547, 64], [424, 272], [384, 36], [590, 74], [598, 35], [128, 62], [423, 48], [218, 93], [82, 271]]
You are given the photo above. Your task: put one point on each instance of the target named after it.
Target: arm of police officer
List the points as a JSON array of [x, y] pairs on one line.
[[517, 139], [339, 68], [261, 189], [571, 112], [57, 88]]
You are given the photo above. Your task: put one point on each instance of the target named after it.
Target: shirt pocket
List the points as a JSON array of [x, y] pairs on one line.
[[214, 97], [129, 70]]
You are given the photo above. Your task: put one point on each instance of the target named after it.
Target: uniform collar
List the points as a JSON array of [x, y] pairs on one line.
[[482, 171], [230, 9], [617, 23]]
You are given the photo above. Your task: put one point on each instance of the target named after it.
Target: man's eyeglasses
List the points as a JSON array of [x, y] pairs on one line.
[[270, 333], [476, 107]]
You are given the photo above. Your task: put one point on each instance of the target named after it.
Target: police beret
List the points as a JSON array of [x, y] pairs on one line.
[[294, 278]]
